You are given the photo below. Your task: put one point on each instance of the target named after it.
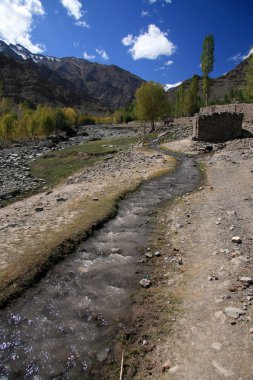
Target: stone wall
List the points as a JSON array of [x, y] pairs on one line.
[[218, 126], [245, 108]]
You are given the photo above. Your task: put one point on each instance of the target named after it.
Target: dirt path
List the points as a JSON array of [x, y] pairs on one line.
[[204, 342]]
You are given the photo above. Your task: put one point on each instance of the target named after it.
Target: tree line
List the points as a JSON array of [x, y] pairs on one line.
[[151, 104]]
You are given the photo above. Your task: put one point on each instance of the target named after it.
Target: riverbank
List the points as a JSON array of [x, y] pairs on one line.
[[196, 320], [38, 231]]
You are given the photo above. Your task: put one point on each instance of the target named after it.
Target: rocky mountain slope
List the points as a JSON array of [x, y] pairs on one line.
[[222, 85], [107, 85], [25, 80]]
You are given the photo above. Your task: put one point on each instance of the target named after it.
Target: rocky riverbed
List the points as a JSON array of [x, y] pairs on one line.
[[16, 159]]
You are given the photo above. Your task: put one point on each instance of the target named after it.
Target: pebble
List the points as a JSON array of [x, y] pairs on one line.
[[115, 250], [39, 209], [236, 239], [149, 255], [234, 312], [145, 283], [166, 365], [157, 253], [246, 280]]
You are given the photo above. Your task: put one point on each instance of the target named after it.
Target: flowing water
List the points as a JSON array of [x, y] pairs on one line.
[[62, 327]]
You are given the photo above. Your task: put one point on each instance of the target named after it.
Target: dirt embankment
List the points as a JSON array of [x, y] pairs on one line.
[[199, 321]]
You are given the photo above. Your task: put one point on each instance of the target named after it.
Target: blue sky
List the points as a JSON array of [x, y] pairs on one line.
[[158, 40]]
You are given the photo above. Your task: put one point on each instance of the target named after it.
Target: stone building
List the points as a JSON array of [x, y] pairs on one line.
[[218, 126]]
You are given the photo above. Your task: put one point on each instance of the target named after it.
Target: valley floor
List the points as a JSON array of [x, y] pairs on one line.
[[192, 331]]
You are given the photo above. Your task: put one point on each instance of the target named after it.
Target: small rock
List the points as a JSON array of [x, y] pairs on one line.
[[166, 365], [180, 261], [246, 280], [157, 253], [174, 369], [39, 209], [149, 255], [234, 312], [61, 199], [95, 199], [210, 278], [145, 283], [115, 250], [236, 239], [251, 330]]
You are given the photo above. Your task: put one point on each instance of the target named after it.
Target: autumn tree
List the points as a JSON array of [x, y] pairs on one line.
[[151, 102], [207, 62]]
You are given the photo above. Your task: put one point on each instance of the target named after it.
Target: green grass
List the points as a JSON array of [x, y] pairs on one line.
[[59, 165]]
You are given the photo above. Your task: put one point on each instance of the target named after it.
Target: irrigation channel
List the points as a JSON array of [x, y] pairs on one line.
[[63, 326]]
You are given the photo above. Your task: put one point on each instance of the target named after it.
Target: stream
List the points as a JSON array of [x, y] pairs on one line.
[[63, 327]]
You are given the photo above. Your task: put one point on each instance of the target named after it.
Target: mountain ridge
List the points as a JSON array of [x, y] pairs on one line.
[[109, 85]]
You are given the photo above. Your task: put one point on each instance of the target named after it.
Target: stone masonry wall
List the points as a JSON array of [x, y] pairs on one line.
[[245, 108], [217, 127]]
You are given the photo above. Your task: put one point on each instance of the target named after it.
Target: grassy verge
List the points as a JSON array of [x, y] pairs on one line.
[[56, 166]]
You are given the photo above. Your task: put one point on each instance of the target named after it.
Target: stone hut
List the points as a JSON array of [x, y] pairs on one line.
[[218, 126]]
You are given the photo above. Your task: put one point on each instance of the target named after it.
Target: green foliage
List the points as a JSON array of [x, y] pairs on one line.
[[85, 120], [207, 62], [187, 102], [191, 101], [151, 102], [248, 88], [19, 121], [124, 115], [1, 89]]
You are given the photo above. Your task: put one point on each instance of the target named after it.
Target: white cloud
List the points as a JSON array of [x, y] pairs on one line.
[[240, 57], [17, 20], [155, 1], [128, 40], [150, 44], [249, 53], [74, 9], [88, 56], [169, 86], [145, 13], [84, 24], [236, 58], [102, 54], [168, 63]]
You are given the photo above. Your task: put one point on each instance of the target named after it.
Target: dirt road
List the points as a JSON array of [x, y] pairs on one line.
[[210, 334]]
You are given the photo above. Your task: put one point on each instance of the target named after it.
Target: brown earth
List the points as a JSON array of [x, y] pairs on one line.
[[181, 329]]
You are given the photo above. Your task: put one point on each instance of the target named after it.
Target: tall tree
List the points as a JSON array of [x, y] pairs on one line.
[[207, 61], [248, 88], [191, 98], [151, 102]]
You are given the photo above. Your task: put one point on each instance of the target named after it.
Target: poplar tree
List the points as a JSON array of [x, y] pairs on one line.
[[248, 88], [207, 61]]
